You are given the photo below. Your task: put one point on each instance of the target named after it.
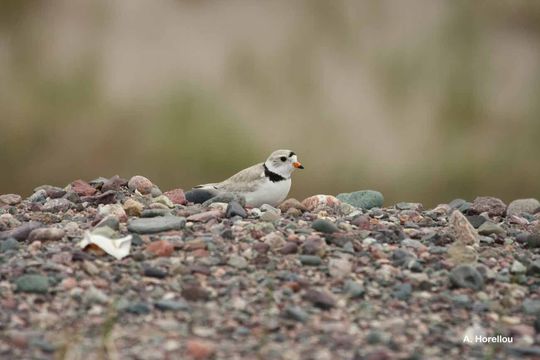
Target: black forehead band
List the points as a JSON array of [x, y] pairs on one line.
[[291, 153]]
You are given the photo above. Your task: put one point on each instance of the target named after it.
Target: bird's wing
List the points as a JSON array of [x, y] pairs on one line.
[[246, 180]]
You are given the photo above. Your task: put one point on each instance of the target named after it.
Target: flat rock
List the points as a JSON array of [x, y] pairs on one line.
[[205, 216], [82, 188], [522, 206], [490, 205], [156, 225], [38, 284], [466, 276], [10, 199]]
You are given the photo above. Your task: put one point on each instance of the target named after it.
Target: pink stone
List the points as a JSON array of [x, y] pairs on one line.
[[82, 188], [199, 349], [10, 199], [205, 216], [319, 201], [176, 196], [160, 248], [140, 183]]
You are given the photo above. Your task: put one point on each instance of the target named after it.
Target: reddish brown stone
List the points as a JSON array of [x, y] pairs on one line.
[[160, 248], [199, 349], [82, 188], [177, 196]]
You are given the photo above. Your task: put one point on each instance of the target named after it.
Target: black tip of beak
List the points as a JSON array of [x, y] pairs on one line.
[[301, 167]]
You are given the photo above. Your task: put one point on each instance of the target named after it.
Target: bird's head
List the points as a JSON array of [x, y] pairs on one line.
[[283, 162]]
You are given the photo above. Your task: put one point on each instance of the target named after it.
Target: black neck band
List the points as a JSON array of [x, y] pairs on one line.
[[272, 176]]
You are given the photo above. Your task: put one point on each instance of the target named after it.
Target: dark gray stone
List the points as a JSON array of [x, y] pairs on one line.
[[21, 233], [172, 305], [9, 244], [310, 260], [295, 313], [199, 196], [466, 276], [38, 284], [324, 226]]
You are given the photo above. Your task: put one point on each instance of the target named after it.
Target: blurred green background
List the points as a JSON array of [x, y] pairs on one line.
[[423, 100]]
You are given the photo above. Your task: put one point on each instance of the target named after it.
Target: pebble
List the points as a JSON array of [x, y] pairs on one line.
[[164, 200], [466, 276], [46, 234], [533, 241], [489, 228], [21, 232], [289, 248], [531, 306], [291, 204], [133, 207], [109, 222], [199, 196], [57, 205], [115, 183], [95, 296], [518, 268], [295, 313], [354, 289], [320, 299], [461, 230], [320, 202], [310, 260], [205, 216], [199, 349], [38, 284], [10, 199], [160, 248], [9, 244], [38, 196], [140, 184], [235, 209], [490, 205], [402, 291], [156, 225], [324, 226], [82, 188], [172, 305], [155, 272], [521, 206], [137, 309], [364, 199], [339, 268], [177, 196], [237, 262], [226, 198]]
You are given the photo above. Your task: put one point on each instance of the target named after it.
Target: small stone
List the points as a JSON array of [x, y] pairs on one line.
[[354, 289], [466, 276], [177, 196], [310, 260], [156, 225], [518, 268], [194, 292], [369, 241], [95, 296], [21, 233], [114, 210], [491, 205], [324, 226], [314, 246], [10, 199], [199, 196], [171, 305], [9, 244], [522, 206], [531, 306], [295, 313], [461, 230], [237, 262], [114, 183], [38, 284], [205, 216], [82, 188], [155, 192], [133, 207], [462, 254], [155, 272], [149, 213], [321, 202], [402, 291], [289, 248], [339, 268], [235, 209], [365, 199], [109, 222], [533, 269], [476, 220], [199, 349], [38, 197], [57, 205], [46, 234], [533, 241], [137, 309], [291, 204], [141, 184], [164, 200], [320, 299], [489, 228], [160, 248]]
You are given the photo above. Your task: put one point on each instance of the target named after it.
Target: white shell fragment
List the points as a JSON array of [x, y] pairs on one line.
[[119, 248]]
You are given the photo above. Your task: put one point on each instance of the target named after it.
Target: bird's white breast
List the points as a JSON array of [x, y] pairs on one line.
[[269, 192]]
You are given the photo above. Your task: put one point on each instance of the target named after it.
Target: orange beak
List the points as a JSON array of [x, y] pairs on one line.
[[297, 165]]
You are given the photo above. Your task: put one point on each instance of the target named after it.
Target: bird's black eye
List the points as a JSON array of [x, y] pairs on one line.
[[283, 158]]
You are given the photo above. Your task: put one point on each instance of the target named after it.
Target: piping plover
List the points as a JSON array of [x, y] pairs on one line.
[[263, 183]]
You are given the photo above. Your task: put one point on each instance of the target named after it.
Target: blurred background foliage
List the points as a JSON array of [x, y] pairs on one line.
[[423, 100]]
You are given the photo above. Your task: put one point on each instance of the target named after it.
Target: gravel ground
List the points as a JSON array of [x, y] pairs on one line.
[[324, 278]]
